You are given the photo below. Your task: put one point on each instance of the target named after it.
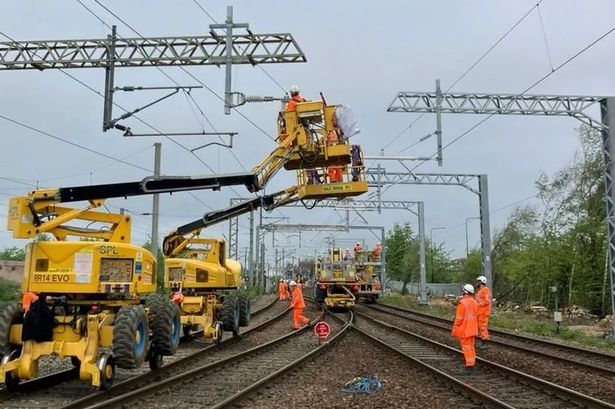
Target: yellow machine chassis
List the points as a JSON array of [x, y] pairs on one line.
[[67, 342], [200, 311]]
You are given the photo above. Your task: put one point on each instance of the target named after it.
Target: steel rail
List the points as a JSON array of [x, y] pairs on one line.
[[456, 383], [66, 375], [444, 324], [192, 373], [551, 389], [292, 365]]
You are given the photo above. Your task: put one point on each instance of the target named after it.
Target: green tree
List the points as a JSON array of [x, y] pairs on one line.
[[13, 253]]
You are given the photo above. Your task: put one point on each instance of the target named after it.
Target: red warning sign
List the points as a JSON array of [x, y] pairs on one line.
[[322, 329]]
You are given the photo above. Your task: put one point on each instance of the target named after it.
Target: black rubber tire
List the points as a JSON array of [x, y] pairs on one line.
[[165, 324], [155, 362], [244, 310], [9, 315], [127, 352], [228, 314]]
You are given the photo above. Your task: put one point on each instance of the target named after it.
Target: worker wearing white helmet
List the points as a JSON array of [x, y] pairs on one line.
[[377, 250], [465, 327], [298, 305], [295, 98], [282, 290], [483, 298]]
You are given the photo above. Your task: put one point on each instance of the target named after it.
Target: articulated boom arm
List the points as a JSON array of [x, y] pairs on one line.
[[39, 212], [179, 240]]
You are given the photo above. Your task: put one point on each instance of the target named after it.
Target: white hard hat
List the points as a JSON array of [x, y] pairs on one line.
[[468, 288], [482, 279], [378, 243], [281, 280], [293, 282], [294, 89], [358, 242]]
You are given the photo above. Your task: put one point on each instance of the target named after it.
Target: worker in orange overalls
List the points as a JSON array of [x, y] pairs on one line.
[[282, 291], [465, 327], [377, 250], [335, 173], [27, 299], [295, 98], [483, 299], [298, 305], [358, 248]]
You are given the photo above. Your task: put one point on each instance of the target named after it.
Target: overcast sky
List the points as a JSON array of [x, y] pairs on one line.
[[360, 53]]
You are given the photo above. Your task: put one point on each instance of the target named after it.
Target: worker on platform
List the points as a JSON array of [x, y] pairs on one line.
[[335, 173], [376, 251], [298, 305], [357, 248], [465, 327], [295, 98], [483, 299], [28, 298], [347, 254]]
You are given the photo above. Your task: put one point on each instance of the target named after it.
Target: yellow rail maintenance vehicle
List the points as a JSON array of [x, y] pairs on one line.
[[204, 282], [367, 268], [97, 301], [336, 282]]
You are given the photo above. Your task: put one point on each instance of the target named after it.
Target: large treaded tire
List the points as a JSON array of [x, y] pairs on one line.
[[9, 315], [130, 337], [244, 310], [229, 314], [165, 324]]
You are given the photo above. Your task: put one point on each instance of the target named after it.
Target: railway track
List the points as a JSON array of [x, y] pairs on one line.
[[220, 383], [495, 385], [581, 357], [57, 388]]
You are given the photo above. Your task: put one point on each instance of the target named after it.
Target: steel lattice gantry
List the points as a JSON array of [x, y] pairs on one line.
[[152, 51], [414, 207], [378, 177], [509, 104], [223, 47], [542, 105]]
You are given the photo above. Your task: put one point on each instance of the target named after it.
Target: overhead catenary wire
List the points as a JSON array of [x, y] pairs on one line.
[[529, 88], [469, 69]]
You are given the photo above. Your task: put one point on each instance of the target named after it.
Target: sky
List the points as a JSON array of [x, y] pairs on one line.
[[359, 53]]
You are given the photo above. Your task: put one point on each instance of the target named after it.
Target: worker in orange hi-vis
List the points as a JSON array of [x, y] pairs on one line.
[[298, 305], [295, 98], [465, 327], [282, 291], [483, 298], [377, 250], [27, 299], [335, 173]]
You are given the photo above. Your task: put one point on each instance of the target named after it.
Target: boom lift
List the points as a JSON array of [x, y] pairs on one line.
[[93, 285], [200, 276], [89, 289]]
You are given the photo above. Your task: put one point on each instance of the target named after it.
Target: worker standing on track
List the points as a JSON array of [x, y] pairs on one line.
[[298, 305], [282, 291], [483, 299], [465, 327], [295, 98]]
